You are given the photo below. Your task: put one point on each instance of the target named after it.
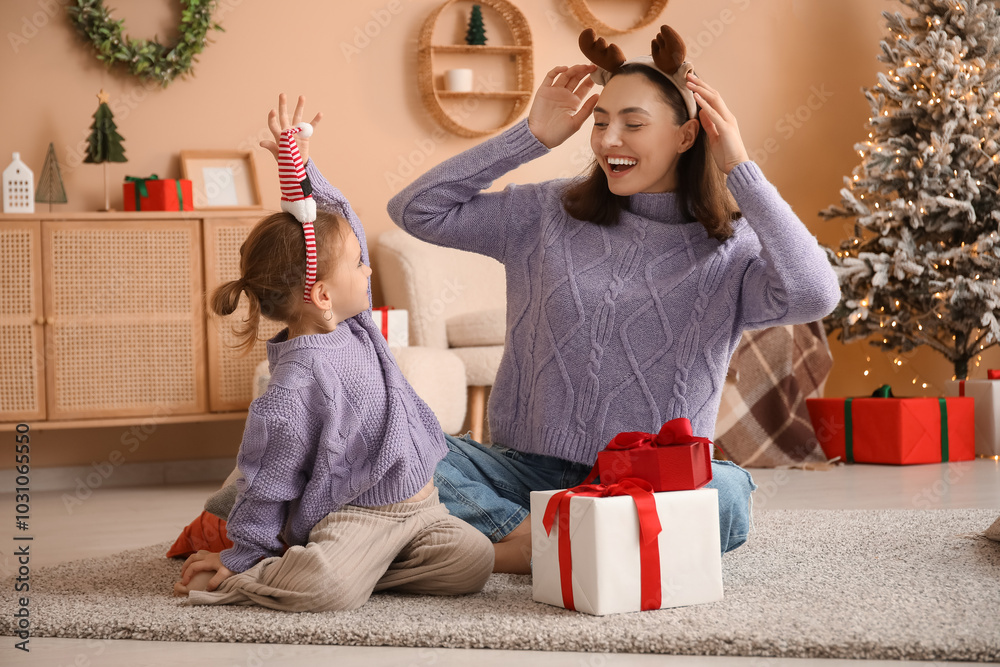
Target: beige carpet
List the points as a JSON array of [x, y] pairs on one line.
[[887, 584]]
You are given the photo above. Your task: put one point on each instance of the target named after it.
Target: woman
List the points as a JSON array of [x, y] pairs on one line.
[[627, 290]]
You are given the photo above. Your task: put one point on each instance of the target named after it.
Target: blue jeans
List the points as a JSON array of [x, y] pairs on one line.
[[489, 487]]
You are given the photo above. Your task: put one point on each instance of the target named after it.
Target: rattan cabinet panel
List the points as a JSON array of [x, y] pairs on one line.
[[22, 340], [230, 371], [125, 318]]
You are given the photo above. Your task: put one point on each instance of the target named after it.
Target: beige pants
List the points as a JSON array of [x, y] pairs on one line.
[[413, 547]]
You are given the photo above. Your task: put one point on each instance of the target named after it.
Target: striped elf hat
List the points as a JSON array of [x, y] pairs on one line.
[[296, 194]]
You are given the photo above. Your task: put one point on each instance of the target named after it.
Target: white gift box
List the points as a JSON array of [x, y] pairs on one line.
[[986, 394], [604, 545], [398, 326]]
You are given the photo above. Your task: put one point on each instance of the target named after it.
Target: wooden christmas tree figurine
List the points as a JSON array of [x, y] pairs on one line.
[[104, 142], [476, 35], [50, 184]]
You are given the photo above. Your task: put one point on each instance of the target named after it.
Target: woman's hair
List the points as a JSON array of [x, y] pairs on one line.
[[273, 271], [701, 190]]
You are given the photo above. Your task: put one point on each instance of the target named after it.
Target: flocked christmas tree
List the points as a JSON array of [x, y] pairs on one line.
[[922, 263], [104, 143], [476, 34], [50, 184]]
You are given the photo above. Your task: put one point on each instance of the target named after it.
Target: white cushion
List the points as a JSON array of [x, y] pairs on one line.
[[481, 363], [438, 377], [477, 329]]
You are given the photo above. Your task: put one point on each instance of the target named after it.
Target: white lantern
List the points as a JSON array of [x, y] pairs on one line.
[[18, 187]]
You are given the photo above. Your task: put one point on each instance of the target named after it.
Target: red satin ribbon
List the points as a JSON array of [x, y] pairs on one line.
[[649, 531], [674, 432], [990, 375], [385, 319]]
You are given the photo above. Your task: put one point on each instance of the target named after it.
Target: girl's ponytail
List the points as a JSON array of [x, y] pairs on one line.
[[226, 297], [225, 301]]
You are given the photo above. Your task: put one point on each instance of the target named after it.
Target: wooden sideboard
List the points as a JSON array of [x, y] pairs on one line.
[[103, 318]]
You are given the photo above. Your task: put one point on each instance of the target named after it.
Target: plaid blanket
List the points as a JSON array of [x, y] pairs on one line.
[[763, 421]]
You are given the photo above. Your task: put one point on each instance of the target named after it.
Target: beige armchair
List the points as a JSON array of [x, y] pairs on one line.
[[456, 301]]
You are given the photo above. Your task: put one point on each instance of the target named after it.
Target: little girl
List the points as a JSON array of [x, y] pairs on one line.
[[338, 453]]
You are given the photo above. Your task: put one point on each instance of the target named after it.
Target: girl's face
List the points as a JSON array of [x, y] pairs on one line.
[[348, 284], [636, 138]]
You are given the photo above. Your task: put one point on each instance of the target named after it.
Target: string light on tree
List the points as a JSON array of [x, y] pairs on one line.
[[925, 198]]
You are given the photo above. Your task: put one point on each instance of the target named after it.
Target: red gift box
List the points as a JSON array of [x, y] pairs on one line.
[[671, 460], [154, 194], [900, 431]]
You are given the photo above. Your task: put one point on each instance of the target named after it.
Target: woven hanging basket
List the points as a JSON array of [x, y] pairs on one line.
[[584, 15], [520, 50]]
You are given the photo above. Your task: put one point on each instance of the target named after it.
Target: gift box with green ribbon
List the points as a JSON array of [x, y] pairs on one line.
[[151, 193], [901, 431]]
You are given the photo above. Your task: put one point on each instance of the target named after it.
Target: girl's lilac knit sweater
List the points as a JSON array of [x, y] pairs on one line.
[[338, 424], [613, 329]]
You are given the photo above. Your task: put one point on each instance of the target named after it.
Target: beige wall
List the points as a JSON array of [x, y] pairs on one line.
[[791, 71]]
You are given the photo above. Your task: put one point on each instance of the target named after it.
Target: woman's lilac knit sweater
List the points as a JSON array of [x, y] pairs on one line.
[[613, 329], [338, 424]]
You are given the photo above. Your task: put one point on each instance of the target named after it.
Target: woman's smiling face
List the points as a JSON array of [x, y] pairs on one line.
[[636, 138]]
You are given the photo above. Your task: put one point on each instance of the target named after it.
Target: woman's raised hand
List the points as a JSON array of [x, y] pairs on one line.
[[277, 121], [723, 133], [556, 113]]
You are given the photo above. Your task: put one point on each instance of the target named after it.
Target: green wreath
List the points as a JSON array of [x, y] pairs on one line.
[[146, 59]]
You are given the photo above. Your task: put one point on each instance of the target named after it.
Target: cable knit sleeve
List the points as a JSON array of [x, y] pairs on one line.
[[446, 206], [790, 281], [272, 463], [329, 198]]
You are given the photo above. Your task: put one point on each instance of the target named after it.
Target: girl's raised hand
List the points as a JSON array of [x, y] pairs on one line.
[[277, 121], [720, 125], [556, 113]]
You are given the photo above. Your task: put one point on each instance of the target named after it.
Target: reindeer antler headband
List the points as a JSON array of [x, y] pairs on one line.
[[668, 59]]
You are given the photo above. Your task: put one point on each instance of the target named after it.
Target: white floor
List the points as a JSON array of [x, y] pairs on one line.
[[66, 527]]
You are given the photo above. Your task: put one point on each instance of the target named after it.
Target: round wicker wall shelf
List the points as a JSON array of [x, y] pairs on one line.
[[584, 15], [520, 50]]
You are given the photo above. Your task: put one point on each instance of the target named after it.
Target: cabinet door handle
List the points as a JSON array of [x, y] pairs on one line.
[[39, 320]]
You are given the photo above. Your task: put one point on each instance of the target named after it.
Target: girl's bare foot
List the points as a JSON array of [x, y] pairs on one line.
[[513, 553], [199, 582]]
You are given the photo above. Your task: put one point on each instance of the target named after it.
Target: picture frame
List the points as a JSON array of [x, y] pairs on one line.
[[222, 180]]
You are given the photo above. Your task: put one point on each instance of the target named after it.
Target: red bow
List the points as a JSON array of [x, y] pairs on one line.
[[674, 432], [649, 531], [993, 375]]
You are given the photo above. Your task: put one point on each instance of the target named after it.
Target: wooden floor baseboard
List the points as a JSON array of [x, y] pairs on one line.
[[86, 479]]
